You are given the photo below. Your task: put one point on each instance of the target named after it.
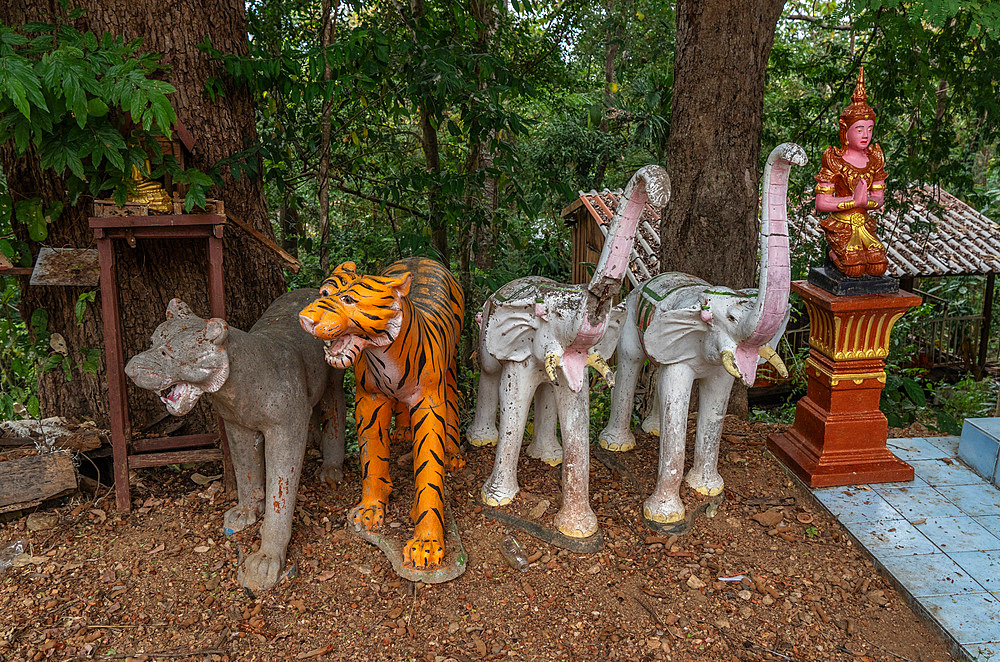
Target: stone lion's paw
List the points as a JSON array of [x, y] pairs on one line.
[[331, 475], [368, 515], [261, 570], [238, 518], [424, 551]]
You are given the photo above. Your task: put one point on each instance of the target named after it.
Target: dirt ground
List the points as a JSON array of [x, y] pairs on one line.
[[160, 583]]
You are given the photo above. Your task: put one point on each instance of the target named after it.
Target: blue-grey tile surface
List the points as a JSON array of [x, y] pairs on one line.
[[979, 447], [939, 536]]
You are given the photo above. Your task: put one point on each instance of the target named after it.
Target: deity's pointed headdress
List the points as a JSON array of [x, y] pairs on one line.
[[858, 110]]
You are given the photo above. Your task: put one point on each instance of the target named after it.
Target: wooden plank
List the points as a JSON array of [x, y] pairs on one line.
[[34, 479], [167, 443], [163, 220], [174, 457], [293, 264]]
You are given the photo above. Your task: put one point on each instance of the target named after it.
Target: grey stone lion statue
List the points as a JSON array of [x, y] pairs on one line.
[[270, 386]]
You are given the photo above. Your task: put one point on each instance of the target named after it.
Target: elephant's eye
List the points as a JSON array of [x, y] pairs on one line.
[[348, 299], [731, 317]]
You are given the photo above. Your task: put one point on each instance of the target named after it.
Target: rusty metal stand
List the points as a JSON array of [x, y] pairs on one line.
[[167, 450]]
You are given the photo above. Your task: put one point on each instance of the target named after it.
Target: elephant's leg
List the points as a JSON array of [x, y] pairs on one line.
[[426, 547], [651, 424], [517, 384], [333, 417], [483, 431], [284, 449], [673, 385], [545, 444], [617, 434], [713, 400], [373, 412], [575, 518], [454, 460], [247, 454]]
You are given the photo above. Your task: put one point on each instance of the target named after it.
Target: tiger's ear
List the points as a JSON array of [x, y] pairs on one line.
[[216, 331], [401, 284], [348, 269], [177, 309]]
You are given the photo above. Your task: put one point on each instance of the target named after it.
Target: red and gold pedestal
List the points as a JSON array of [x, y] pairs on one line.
[[839, 434]]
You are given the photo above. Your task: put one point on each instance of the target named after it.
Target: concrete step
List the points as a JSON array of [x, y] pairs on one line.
[[979, 447]]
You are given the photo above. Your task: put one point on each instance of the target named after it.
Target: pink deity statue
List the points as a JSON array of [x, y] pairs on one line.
[[850, 185]]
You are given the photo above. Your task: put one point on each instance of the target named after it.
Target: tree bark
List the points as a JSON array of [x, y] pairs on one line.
[[709, 228], [326, 38], [613, 43], [155, 271]]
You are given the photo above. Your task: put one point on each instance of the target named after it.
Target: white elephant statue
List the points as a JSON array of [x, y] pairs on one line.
[[693, 331], [536, 333]]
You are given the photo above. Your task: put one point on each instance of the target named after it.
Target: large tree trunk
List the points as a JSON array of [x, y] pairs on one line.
[[154, 272], [709, 228]]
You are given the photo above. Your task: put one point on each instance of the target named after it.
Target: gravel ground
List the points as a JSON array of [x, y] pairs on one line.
[[160, 583]]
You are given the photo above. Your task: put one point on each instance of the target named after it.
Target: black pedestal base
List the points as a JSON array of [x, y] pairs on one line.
[[830, 279]]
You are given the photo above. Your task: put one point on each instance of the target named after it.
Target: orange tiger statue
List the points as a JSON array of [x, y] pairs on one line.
[[400, 331]]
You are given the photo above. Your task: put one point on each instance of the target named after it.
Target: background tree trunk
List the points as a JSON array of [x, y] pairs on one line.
[[154, 272], [709, 228]]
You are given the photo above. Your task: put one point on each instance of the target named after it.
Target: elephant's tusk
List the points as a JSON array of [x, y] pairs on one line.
[[597, 362], [729, 362], [768, 354], [551, 363]]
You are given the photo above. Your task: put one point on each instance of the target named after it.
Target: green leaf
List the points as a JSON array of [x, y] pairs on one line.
[[39, 321], [914, 390], [32, 406]]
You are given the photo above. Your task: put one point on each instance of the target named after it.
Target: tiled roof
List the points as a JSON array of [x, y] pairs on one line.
[[931, 233]]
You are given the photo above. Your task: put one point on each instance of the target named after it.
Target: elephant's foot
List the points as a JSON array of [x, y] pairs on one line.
[[368, 515], [331, 474], [424, 549], [546, 452], [665, 510], [704, 482], [576, 524], [651, 425], [261, 570], [616, 440], [496, 494], [240, 517], [482, 436]]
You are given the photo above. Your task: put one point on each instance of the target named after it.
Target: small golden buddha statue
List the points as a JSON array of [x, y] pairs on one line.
[[149, 192], [850, 185]]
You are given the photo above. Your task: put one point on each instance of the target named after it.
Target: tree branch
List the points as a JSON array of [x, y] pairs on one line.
[[371, 198], [820, 22]]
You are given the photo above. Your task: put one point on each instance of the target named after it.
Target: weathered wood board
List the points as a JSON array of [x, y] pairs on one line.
[[28, 481]]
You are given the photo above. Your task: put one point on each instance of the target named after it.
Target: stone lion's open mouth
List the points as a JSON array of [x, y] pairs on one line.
[[180, 398]]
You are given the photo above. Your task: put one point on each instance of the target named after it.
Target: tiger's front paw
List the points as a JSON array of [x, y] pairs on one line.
[[424, 550], [455, 462], [368, 515]]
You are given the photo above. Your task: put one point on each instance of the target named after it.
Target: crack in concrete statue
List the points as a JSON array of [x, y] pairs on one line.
[[271, 387]]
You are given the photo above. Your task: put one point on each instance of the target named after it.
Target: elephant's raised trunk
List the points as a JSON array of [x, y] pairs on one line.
[[775, 270], [649, 184]]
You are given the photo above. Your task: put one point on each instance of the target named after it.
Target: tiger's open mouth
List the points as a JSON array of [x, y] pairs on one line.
[[339, 352]]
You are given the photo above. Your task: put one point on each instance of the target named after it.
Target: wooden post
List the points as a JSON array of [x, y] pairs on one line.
[[115, 366], [984, 331]]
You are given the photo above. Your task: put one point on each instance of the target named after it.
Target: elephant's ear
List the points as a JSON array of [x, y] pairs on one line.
[[510, 330], [673, 336], [606, 346]]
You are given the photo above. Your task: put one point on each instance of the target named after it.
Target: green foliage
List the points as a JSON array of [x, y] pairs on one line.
[[89, 106], [22, 349]]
